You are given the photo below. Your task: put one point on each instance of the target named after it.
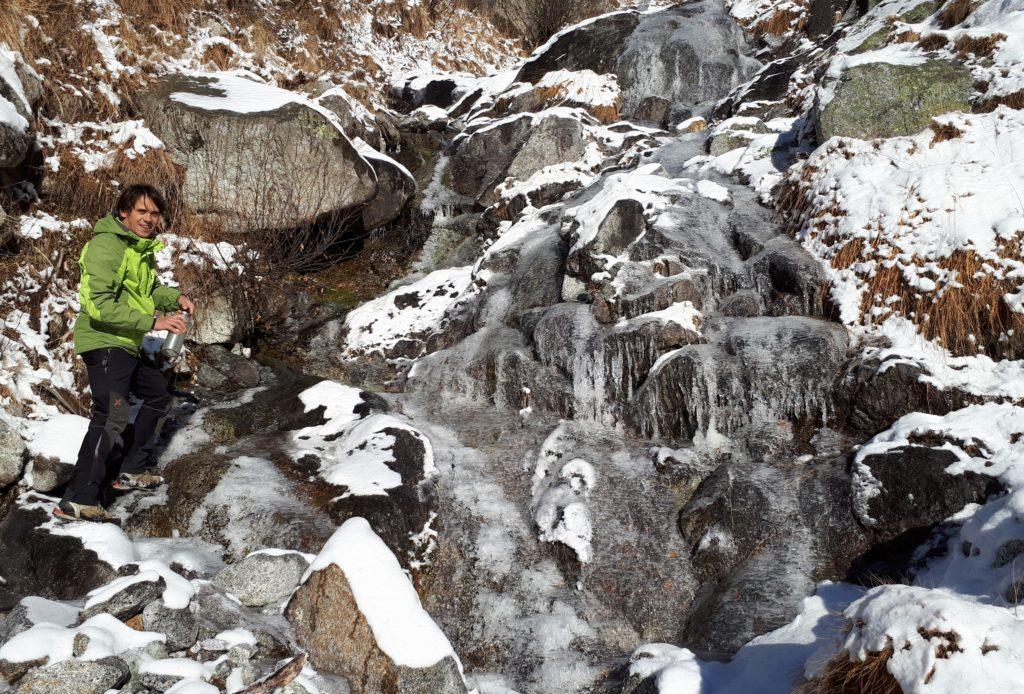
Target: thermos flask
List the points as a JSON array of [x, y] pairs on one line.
[[174, 342]]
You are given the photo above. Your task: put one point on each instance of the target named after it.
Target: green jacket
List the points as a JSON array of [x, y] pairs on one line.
[[118, 290]]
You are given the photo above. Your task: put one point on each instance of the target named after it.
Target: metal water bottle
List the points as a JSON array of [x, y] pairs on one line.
[[174, 342]]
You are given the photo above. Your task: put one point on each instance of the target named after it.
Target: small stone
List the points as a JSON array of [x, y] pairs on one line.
[[49, 473], [241, 654], [178, 625]]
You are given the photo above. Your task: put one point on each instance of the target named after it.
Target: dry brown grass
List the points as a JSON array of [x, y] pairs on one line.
[[221, 55], [932, 42], [1014, 100], [954, 12], [777, 23], [966, 317], [978, 46], [12, 20], [79, 193], [556, 95], [844, 675]]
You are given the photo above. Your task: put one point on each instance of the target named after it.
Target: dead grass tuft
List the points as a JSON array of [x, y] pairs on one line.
[[954, 12], [844, 675], [944, 132], [978, 46]]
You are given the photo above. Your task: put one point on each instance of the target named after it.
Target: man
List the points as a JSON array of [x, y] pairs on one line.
[[119, 295]]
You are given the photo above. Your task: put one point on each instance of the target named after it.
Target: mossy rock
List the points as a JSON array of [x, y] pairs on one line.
[[917, 13], [884, 100]]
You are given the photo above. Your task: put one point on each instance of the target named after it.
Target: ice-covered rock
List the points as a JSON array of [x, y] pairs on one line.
[[358, 615], [224, 127], [263, 577]]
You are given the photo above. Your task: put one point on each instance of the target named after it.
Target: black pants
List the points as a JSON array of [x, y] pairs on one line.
[[113, 374]]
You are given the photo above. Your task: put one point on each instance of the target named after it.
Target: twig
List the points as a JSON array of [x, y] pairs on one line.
[[280, 678]]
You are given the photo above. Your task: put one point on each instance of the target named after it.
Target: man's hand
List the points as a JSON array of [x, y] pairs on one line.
[[176, 324], [186, 304]]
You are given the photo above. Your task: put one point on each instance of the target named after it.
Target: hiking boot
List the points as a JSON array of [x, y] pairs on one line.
[[144, 480], [94, 514]]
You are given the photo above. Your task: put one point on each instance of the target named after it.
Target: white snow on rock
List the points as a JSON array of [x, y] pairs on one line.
[[409, 311], [9, 114], [107, 636], [583, 87], [384, 595], [58, 437], [940, 642], [178, 591], [354, 451], [676, 670]]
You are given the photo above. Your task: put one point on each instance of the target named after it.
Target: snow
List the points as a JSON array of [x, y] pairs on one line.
[[940, 641], [176, 667], [107, 636], [58, 437], [370, 154], [39, 610], [178, 591], [384, 595], [9, 112], [416, 309], [682, 313], [584, 87], [354, 450]]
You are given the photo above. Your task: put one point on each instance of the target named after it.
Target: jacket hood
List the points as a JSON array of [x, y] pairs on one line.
[[111, 225]]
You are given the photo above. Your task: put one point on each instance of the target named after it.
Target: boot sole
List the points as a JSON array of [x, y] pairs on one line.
[[57, 513]]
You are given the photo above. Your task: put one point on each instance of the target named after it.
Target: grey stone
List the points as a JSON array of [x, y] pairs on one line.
[[516, 148], [128, 602], [179, 626], [50, 473], [12, 447], [216, 321], [885, 100], [262, 578], [76, 677], [275, 169]]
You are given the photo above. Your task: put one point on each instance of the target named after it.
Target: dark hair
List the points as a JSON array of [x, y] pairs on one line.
[[130, 195]]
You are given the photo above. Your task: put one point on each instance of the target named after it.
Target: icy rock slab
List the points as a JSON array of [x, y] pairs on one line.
[[358, 615]]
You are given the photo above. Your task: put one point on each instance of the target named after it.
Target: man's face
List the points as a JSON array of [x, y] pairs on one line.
[[143, 218]]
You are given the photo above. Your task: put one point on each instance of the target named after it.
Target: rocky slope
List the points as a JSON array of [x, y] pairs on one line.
[[703, 379]]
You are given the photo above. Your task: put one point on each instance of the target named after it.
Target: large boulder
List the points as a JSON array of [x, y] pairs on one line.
[[592, 45], [514, 147], [358, 615], [885, 100], [77, 677], [256, 156]]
